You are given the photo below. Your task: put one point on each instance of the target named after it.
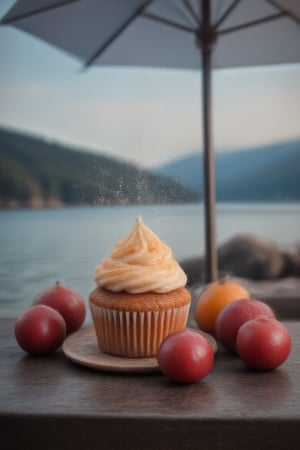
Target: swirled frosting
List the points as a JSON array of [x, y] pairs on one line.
[[140, 262]]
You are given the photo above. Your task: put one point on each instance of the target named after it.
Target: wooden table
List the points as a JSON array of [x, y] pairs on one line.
[[52, 403]]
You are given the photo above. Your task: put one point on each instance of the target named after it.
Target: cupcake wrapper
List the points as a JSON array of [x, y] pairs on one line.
[[134, 334]]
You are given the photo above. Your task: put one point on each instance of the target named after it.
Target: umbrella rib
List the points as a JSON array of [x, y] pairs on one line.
[[226, 13], [186, 12], [37, 11], [168, 22], [253, 23], [192, 11], [285, 11], [120, 30]]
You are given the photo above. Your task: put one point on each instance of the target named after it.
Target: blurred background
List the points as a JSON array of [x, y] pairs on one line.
[[83, 152]]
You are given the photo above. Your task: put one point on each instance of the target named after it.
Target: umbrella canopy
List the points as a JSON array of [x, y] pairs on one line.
[[163, 33], [185, 34]]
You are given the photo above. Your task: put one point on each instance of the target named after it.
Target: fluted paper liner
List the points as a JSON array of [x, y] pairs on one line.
[[135, 334]]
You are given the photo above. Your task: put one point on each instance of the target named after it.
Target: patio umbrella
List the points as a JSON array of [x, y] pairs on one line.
[[186, 34]]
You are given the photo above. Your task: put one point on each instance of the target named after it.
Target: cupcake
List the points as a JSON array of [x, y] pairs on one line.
[[140, 297]]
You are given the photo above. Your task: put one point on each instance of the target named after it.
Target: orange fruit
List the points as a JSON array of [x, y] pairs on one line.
[[214, 298]]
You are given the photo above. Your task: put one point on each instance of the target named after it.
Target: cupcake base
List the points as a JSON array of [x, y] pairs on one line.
[[134, 325]]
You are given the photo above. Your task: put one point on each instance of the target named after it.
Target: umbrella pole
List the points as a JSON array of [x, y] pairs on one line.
[[206, 42]]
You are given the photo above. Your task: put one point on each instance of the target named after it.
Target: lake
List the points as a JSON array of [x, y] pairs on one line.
[[39, 247]]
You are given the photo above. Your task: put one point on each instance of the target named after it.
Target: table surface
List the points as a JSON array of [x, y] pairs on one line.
[[52, 403]]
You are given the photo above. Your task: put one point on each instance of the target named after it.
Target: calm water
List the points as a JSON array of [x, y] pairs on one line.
[[38, 247]]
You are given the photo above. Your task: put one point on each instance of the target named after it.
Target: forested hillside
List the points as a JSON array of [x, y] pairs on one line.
[[265, 173], [37, 172]]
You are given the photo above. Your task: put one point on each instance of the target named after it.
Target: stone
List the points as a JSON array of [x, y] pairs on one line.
[[291, 258], [247, 256], [282, 295], [250, 257], [194, 269]]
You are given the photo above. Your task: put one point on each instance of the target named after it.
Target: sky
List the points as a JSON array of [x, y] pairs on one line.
[[148, 116]]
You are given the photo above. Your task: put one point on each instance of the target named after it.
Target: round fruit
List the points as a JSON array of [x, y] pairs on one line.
[[234, 315], [67, 302], [214, 298], [263, 343], [40, 330], [185, 356]]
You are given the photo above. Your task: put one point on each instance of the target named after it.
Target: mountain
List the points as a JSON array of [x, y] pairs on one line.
[[266, 173], [37, 172]]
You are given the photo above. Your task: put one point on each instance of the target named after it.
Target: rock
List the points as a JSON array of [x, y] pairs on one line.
[[291, 258], [282, 295], [269, 274], [194, 269], [250, 257]]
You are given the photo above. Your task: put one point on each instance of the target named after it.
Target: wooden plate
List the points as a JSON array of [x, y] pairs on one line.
[[82, 348]]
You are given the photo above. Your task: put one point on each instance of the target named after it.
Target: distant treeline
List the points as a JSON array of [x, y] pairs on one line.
[[37, 172], [266, 173]]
